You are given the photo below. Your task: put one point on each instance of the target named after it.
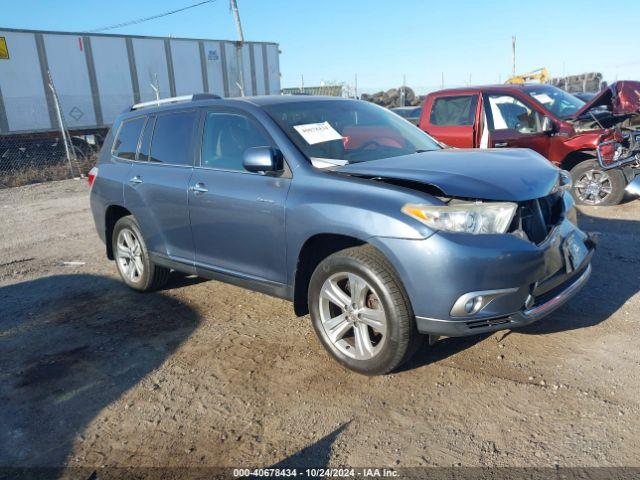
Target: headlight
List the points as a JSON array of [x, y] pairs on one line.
[[473, 218]]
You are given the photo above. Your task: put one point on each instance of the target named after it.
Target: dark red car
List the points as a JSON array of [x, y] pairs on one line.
[[598, 141]]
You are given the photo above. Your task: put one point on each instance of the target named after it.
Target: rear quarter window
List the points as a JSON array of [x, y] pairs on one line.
[[454, 111], [126, 142]]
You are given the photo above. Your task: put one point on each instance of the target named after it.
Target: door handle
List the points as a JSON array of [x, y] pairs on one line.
[[501, 144], [136, 180], [198, 188]]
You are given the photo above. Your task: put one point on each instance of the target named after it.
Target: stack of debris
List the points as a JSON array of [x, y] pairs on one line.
[[586, 82], [330, 90], [395, 97]]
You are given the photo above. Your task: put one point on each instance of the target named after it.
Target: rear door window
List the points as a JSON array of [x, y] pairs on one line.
[[173, 137], [454, 111], [126, 143]]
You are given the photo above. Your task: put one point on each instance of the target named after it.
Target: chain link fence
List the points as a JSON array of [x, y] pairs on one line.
[[51, 152], [33, 159]]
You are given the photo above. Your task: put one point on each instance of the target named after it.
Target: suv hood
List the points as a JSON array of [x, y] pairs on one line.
[[619, 98], [504, 175]]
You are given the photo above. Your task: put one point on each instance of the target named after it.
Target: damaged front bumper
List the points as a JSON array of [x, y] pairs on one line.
[[532, 280], [538, 310], [618, 149]]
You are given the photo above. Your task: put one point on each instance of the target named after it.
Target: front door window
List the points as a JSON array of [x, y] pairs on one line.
[[509, 113]]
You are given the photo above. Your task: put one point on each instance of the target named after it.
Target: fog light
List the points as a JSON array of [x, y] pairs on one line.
[[474, 305]]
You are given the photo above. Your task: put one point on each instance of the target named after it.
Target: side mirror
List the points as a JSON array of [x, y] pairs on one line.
[[262, 160], [547, 125]]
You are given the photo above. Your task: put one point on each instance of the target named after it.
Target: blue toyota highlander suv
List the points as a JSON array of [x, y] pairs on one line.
[[355, 215]]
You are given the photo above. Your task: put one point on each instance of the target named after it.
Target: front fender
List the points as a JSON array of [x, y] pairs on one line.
[[562, 147], [351, 207]]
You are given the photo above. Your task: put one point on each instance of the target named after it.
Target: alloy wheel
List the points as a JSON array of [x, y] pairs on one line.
[[129, 255], [593, 187], [353, 319]]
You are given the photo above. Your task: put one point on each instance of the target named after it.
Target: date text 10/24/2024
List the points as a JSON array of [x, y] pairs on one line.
[[315, 472]]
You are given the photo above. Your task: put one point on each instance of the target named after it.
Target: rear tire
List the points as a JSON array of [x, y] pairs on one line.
[[361, 312], [594, 186], [134, 265]]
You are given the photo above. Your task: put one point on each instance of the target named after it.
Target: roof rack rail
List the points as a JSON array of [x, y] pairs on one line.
[[184, 98], [205, 96]]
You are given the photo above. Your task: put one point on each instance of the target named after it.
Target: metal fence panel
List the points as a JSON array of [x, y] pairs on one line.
[[99, 75], [23, 91], [258, 64], [233, 77], [68, 66], [187, 67], [113, 75], [273, 62], [215, 68], [151, 66]]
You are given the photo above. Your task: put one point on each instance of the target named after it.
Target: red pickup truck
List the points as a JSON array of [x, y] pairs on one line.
[[598, 141]]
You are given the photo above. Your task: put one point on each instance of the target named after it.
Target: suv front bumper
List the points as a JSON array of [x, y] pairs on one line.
[[436, 272], [457, 328]]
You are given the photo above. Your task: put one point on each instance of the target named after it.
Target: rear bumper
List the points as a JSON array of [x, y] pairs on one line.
[[546, 305]]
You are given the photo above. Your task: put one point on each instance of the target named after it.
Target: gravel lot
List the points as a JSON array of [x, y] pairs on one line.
[[206, 374]]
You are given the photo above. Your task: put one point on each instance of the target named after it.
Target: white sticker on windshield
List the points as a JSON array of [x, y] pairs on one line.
[[543, 98], [317, 132], [327, 162]]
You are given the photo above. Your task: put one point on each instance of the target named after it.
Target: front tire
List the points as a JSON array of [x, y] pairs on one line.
[[594, 186], [361, 312], [135, 266]]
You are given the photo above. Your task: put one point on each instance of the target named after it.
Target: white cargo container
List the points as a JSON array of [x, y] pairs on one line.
[[97, 76]]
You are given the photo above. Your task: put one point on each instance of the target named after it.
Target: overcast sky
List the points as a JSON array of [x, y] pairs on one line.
[[380, 41]]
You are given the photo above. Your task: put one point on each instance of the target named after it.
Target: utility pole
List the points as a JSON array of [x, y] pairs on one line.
[[236, 16], [513, 49], [356, 86]]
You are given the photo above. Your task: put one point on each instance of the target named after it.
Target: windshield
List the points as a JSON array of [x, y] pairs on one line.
[[337, 132], [558, 102]]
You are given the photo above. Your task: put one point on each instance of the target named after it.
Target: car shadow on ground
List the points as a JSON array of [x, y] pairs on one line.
[[179, 280], [614, 280], [316, 455], [70, 346]]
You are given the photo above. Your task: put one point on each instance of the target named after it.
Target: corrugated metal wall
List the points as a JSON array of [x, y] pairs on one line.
[[98, 76]]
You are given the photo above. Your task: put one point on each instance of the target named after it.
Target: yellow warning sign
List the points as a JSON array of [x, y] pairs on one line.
[[4, 51]]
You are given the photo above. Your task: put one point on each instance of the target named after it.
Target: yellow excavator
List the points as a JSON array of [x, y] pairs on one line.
[[541, 74]]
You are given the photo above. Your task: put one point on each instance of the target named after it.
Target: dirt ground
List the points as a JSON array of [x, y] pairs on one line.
[[206, 374]]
